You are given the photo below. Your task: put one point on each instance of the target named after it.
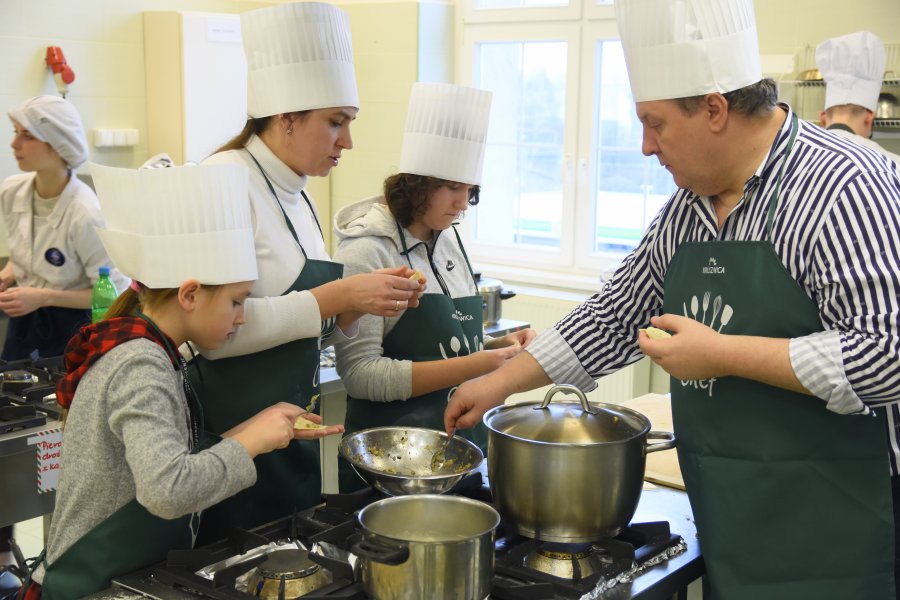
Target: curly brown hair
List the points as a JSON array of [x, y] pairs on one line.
[[407, 195]]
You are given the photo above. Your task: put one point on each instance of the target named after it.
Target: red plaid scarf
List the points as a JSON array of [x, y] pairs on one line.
[[93, 341]]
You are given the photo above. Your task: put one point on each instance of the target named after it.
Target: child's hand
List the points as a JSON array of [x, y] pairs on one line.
[[268, 430], [308, 426]]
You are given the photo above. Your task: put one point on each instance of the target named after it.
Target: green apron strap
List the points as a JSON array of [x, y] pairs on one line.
[[774, 198]]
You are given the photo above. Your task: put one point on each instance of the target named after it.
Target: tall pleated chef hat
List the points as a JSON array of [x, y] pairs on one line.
[[165, 226], [299, 57], [446, 132], [55, 121], [852, 66], [683, 48]]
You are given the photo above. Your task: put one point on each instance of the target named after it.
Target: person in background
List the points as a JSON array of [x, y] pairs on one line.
[[775, 266], [132, 464], [852, 66], [55, 254], [400, 368], [51, 219], [302, 98]]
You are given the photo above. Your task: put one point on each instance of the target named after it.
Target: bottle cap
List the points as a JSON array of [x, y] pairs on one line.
[[104, 270]]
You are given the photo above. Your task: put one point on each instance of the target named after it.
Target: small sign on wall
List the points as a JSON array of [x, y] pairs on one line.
[[49, 453]]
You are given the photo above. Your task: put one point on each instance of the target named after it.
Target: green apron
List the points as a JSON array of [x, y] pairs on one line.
[[791, 500], [237, 388], [129, 539], [440, 327]]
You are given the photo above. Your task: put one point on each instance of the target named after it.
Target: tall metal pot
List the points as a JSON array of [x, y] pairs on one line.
[[427, 546], [570, 472]]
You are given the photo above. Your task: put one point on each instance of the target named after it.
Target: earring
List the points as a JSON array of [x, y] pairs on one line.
[[290, 130]]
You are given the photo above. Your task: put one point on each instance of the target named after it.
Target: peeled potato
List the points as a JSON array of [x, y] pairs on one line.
[[416, 275], [302, 423], [656, 334]]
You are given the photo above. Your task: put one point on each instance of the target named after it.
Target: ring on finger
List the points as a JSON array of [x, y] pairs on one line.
[[397, 305]]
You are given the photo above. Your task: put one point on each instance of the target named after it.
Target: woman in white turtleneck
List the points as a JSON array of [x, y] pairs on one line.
[[300, 303]]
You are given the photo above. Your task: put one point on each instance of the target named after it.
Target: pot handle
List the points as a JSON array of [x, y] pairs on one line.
[[567, 389], [668, 436], [381, 551], [507, 294]]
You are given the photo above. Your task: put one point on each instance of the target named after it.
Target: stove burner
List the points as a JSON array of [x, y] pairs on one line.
[[287, 573], [566, 561]]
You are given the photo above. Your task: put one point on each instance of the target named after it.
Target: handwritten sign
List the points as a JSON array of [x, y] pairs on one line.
[[49, 452]]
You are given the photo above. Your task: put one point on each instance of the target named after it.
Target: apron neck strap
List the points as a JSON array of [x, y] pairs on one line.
[[773, 198], [466, 257], [403, 243], [287, 221], [194, 408]]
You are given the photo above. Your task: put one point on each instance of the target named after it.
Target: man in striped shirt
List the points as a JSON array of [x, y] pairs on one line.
[[777, 267]]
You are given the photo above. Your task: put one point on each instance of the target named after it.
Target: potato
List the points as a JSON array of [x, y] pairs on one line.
[[656, 334], [417, 275], [302, 423]]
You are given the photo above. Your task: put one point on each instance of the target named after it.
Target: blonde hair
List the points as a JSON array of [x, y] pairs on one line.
[[130, 302]]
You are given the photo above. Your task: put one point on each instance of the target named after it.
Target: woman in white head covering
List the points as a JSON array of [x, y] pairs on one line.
[[133, 476], [400, 369], [302, 99], [50, 217]]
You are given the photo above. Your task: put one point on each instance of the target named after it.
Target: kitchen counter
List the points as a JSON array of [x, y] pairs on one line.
[[19, 496], [661, 582]]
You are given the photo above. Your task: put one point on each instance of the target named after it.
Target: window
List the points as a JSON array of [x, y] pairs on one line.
[[565, 186]]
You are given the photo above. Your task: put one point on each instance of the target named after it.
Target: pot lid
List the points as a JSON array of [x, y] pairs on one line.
[[487, 285], [289, 563], [567, 422]]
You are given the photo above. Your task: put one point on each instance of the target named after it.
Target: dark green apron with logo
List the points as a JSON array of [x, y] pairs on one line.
[[791, 500], [440, 327], [129, 539], [237, 388]]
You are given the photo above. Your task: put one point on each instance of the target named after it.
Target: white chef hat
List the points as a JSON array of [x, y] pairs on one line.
[[446, 132], [852, 66], [55, 121], [299, 57], [683, 48], [165, 226]]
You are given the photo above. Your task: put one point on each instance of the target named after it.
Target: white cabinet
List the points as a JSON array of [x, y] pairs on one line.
[[196, 79]]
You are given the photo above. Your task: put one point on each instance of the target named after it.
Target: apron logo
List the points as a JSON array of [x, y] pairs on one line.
[[461, 317], [713, 268], [450, 265], [55, 257]]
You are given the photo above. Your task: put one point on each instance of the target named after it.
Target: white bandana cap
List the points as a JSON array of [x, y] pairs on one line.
[[852, 66], [55, 121], [299, 57], [684, 48], [446, 132], [165, 226]]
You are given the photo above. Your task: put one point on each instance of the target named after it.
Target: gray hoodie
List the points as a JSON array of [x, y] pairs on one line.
[[369, 239]]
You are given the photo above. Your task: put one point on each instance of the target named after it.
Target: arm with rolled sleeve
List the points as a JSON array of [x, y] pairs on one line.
[[600, 335], [855, 363]]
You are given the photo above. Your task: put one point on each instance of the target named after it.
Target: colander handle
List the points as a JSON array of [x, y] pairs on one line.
[[567, 389]]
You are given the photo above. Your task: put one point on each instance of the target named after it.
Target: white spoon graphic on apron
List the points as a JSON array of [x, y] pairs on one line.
[[705, 306], [717, 306], [466, 342], [726, 316], [694, 306], [443, 353], [454, 345]]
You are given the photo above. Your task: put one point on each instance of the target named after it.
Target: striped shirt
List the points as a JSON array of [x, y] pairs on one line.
[[837, 232]]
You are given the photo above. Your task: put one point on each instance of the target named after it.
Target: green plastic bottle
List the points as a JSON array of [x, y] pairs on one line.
[[103, 295]]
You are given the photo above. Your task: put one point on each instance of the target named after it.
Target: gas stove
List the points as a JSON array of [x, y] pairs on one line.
[[524, 569], [28, 392]]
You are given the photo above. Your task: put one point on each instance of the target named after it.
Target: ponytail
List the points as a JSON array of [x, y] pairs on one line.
[[130, 302], [251, 128]]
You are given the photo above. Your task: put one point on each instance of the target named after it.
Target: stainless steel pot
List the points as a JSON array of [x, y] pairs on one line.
[[427, 546], [887, 107], [492, 293], [570, 472]]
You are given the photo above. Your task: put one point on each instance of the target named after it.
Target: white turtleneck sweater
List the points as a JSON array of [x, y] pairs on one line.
[[272, 318]]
